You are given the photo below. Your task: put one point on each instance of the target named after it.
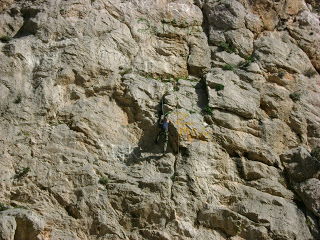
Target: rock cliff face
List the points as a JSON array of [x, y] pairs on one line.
[[82, 83]]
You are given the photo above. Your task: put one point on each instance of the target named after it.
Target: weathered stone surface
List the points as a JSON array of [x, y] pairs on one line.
[[299, 164], [264, 208], [235, 122], [254, 68], [21, 224], [279, 135], [253, 170], [186, 97], [226, 15], [15, 24], [309, 191], [312, 222], [298, 121], [224, 57], [251, 205], [253, 23], [273, 187], [199, 57], [242, 39], [259, 212], [304, 173], [215, 217], [235, 97], [274, 13], [5, 3], [216, 37], [274, 52], [8, 227], [81, 89], [247, 144], [306, 31]]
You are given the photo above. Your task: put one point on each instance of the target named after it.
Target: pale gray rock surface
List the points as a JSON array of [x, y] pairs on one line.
[[81, 89], [223, 57], [236, 96], [306, 31], [226, 14], [242, 39], [8, 227], [309, 191], [300, 165], [275, 51], [21, 224], [253, 23]]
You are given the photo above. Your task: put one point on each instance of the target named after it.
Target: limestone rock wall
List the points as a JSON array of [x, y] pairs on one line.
[[82, 84]]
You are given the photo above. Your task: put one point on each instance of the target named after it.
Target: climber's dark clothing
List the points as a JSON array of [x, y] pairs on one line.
[[165, 125], [164, 131], [166, 135]]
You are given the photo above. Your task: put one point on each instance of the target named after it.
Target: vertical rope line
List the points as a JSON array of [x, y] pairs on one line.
[[162, 105], [175, 88]]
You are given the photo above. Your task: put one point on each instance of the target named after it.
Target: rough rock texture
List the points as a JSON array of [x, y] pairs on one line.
[[21, 224], [304, 172], [82, 84]]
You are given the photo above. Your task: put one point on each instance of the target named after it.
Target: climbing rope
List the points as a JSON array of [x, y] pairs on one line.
[[162, 106], [175, 88]]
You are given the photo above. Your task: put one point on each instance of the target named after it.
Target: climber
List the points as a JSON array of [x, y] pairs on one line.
[[164, 126]]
